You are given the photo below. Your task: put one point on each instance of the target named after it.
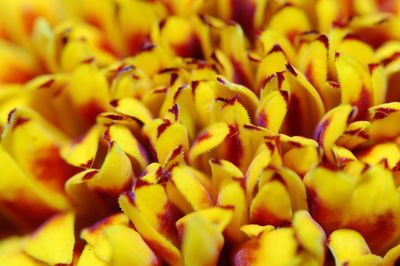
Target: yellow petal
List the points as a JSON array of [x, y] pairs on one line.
[[158, 243], [115, 173], [202, 242], [190, 188], [271, 205], [128, 247], [331, 127], [54, 241], [82, 152], [95, 237], [208, 139], [88, 258], [347, 244]]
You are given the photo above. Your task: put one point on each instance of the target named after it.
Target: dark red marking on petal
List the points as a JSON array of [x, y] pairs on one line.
[[88, 164], [285, 95], [135, 42], [160, 250], [175, 111], [167, 219], [382, 112], [320, 131], [276, 48], [20, 121], [194, 85], [375, 37], [357, 132], [161, 128], [88, 60], [89, 175], [89, 111], [203, 136], [378, 232], [131, 197], [10, 115], [309, 73], [281, 78], [251, 127], [178, 92], [221, 81], [291, 35], [27, 209], [100, 225], [161, 90], [177, 151], [295, 144], [327, 217], [230, 101], [191, 48], [114, 117], [245, 255], [243, 12], [239, 74], [216, 161], [168, 70], [234, 147], [371, 67], [294, 116], [174, 77], [114, 103], [47, 84], [334, 84], [262, 119], [396, 168], [48, 167], [363, 103], [324, 40], [290, 68], [263, 216]]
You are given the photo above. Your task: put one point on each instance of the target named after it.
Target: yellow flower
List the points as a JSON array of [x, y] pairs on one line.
[[199, 132]]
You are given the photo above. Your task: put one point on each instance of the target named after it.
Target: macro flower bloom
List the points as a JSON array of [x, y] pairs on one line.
[[199, 133]]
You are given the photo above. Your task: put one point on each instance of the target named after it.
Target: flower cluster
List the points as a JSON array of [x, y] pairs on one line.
[[199, 132]]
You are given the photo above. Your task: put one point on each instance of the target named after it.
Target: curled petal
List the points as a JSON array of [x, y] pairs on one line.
[[347, 245], [384, 117], [386, 153], [310, 234], [295, 19], [158, 243], [115, 173], [356, 134], [132, 108], [208, 139], [332, 126], [202, 242], [95, 237], [190, 188], [165, 137], [375, 212], [271, 205], [82, 152], [323, 197], [355, 84], [125, 139]]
